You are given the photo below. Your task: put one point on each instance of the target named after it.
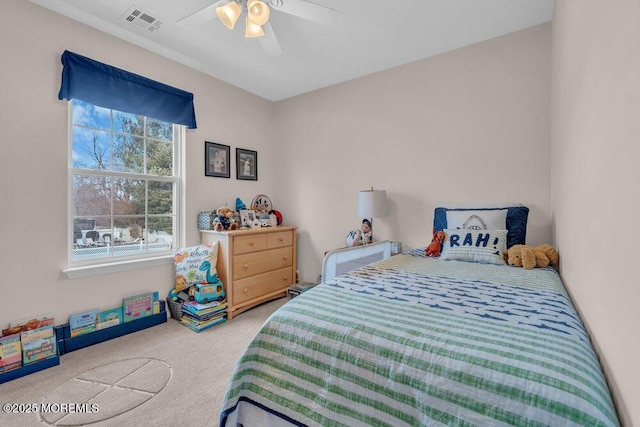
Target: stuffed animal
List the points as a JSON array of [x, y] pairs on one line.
[[530, 257], [222, 221], [436, 244], [181, 282], [552, 254]]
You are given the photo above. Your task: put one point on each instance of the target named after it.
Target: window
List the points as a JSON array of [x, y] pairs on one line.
[[124, 182], [124, 157]]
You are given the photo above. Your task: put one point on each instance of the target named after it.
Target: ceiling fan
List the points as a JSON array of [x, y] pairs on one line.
[[257, 17]]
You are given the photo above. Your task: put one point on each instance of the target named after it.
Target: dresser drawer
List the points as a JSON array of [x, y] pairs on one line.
[[261, 284], [255, 263], [250, 243], [279, 239]]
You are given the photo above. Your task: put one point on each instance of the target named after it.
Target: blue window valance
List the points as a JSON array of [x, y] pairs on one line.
[[117, 89]]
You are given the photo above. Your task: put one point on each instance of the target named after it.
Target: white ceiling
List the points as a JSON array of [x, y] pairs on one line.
[[367, 36]]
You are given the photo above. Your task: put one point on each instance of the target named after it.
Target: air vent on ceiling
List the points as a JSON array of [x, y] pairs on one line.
[[142, 19]]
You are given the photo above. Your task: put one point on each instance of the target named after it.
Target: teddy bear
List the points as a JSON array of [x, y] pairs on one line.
[[223, 219], [436, 243], [530, 257]]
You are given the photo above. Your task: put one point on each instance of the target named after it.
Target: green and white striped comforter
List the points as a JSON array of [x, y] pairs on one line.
[[421, 341]]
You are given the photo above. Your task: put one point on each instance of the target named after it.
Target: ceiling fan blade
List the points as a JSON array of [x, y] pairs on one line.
[[269, 41], [309, 11], [202, 16]]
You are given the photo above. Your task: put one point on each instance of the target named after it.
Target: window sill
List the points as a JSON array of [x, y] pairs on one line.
[[113, 267]]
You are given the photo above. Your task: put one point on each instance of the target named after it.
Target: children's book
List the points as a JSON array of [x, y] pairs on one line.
[[201, 326], [113, 315], [195, 306], [38, 350], [138, 306], [36, 334], [38, 344], [83, 323], [108, 324], [28, 324], [10, 352]]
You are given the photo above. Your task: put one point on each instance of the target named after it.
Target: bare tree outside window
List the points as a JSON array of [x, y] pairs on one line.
[[124, 183]]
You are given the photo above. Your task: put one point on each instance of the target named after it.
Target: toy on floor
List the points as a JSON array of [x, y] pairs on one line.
[[209, 292]]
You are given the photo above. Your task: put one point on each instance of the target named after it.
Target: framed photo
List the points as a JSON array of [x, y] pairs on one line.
[[249, 218], [246, 164], [217, 160]]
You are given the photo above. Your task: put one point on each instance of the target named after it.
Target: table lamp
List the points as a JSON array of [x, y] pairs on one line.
[[371, 204]]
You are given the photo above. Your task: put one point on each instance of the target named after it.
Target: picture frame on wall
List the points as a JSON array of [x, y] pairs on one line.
[[217, 159], [246, 164]]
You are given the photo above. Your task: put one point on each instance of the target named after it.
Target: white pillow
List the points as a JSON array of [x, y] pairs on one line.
[[481, 219], [483, 246], [196, 264]]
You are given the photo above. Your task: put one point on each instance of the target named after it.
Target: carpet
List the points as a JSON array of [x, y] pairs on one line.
[[164, 375]]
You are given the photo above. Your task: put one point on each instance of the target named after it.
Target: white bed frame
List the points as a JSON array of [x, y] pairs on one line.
[[340, 261]]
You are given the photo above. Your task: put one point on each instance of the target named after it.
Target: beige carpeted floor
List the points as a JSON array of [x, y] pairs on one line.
[[166, 375]]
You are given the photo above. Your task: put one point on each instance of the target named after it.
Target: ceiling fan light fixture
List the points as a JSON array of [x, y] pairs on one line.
[[253, 30], [258, 12], [229, 14]]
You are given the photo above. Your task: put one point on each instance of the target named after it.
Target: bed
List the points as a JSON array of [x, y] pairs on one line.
[[414, 340]]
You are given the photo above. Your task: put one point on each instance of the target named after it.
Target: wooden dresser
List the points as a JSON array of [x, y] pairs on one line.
[[255, 265]]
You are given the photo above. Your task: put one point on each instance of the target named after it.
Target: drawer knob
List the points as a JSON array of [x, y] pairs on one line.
[[245, 266], [285, 278], [250, 243], [281, 239], [286, 257], [245, 290]]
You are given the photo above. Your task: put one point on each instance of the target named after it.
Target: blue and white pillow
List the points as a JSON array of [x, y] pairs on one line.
[[517, 216], [483, 246], [480, 219]]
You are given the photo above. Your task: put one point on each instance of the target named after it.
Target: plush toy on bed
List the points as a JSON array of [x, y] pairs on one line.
[[436, 244], [530, 257], [222, 221]]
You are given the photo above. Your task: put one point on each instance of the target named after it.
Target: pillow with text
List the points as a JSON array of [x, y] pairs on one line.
[[483, 246], [196, 264], [487, 217]]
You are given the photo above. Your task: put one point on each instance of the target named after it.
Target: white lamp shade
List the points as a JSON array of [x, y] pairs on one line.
[[253, 30], [372, 204], [229, 14], [258, 12]]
